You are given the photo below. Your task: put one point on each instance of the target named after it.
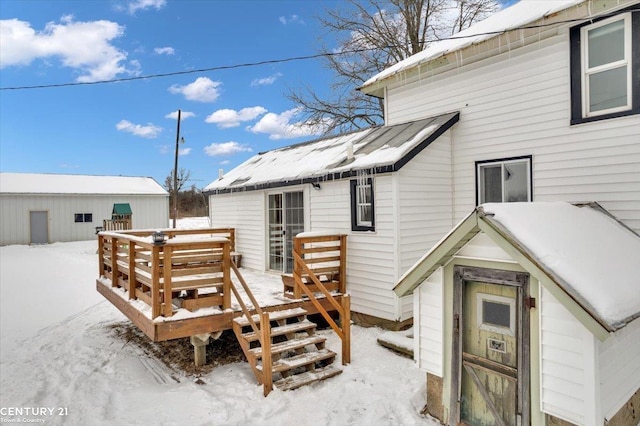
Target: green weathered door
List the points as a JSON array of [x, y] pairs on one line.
[[491, 369]]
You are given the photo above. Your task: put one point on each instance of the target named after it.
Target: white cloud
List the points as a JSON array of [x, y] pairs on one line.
[[83, 46], [184, 151], [266, 80], [183, 115], [136, 5], [225, 118], [201, 90], [226, 148], [149, 131], [165, 50], [293, 19], [278, 126]]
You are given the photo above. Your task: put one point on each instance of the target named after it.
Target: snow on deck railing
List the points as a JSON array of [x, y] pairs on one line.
[[190, 266]]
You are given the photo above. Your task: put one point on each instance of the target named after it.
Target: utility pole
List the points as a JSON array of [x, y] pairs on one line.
[[175, 175]]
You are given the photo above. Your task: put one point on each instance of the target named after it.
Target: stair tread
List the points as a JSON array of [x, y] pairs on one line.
[[294, 382], [300, 360], [273, 316], [289, 345], [284, 329]]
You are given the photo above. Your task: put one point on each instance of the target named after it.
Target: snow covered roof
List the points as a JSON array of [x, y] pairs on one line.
[[590, 255], [380, 149], [522, 13], [35, 183]]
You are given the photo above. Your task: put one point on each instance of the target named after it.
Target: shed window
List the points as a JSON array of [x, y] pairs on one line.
[[602, 68], [504, 181], [496, 313], [362, 205]]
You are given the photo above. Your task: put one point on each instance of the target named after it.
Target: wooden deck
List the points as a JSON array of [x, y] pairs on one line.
[[185, 283], [196, 277]]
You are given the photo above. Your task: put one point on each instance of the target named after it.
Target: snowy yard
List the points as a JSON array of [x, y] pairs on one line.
[[61, 363]]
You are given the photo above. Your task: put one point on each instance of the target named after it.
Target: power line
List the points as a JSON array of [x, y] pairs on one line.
[[296, 58]]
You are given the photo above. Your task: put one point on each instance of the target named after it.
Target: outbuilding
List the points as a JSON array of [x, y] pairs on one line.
[[46, 208], [529, 313]]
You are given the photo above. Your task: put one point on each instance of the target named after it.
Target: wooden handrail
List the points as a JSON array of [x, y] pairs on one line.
[[301, 266]]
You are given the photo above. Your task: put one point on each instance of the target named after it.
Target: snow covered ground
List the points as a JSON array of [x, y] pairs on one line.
[[61, 363]]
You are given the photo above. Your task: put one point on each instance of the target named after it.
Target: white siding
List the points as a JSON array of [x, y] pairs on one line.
[[428, 328], [482, 247], [424, 205], [244, 211], [518, 103], [149, 211], [567, 364], [619, 357], [372, 258]]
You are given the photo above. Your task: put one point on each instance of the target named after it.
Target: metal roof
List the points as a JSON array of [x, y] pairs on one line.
[[381, 149]]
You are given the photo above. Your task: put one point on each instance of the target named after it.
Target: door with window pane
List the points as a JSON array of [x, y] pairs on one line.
[[286, 220]]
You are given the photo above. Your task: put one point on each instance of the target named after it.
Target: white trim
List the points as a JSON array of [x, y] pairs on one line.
[[625, 62]]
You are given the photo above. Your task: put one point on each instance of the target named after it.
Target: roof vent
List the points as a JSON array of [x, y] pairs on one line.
[[220, 173]]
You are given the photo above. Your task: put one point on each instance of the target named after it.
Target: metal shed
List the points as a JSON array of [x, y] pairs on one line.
[[46, 208]]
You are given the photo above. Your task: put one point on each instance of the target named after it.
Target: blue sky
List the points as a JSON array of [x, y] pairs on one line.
[[129, 128]]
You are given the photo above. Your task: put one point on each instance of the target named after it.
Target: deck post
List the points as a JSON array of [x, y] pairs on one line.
[[114, 262], [167, 310], [343, 264], [200, 342], [226, 276], [297, 269], [345, 323], [155, 282], [265, 341], [132, 270], [100, 256]]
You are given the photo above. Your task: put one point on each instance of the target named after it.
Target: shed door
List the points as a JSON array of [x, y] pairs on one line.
[[39, 227], [491, 378]]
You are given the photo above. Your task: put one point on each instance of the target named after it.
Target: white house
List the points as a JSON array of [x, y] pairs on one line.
[[529, 313], [387, 188], [548, 94], [45, 208]]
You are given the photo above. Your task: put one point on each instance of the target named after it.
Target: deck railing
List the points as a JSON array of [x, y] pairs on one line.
[[320, 266], [194, 271], [116, 224]]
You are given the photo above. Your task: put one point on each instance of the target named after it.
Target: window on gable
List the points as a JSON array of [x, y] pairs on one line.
[[362, 205], [604, 73], [504, 181]]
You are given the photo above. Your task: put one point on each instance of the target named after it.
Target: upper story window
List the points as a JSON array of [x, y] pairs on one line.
[[604, 71], [504, 181], [362, 205]]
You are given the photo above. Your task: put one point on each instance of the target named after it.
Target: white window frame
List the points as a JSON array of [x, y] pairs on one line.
[[510, 301], [363, 191], [480, 183], [587, 72]]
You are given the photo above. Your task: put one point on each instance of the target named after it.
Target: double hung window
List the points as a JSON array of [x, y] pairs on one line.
[[604, 72]]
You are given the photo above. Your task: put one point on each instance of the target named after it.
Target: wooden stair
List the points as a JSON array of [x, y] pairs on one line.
[[298, 355]]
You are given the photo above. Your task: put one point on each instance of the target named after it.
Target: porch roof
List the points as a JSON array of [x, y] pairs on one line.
[[378, 150], [580, 251]]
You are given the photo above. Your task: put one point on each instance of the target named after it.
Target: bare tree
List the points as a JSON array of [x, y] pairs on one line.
[[375, 34], [183, 177]]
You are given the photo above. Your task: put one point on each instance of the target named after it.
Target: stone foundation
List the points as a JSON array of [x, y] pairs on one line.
[[434, 396]]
